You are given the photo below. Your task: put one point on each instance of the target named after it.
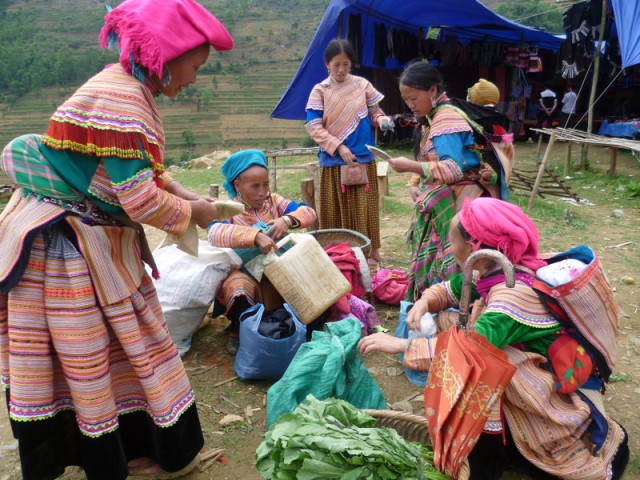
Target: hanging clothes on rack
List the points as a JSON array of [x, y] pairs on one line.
[[354, 35]]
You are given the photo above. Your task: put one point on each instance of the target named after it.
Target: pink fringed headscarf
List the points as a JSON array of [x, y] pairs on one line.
[[503, 226], [157, 31]]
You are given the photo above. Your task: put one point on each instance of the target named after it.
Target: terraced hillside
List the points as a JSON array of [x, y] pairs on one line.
[[271, 37]]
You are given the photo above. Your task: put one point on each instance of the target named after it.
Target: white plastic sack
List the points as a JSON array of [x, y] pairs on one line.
[[187, 286]]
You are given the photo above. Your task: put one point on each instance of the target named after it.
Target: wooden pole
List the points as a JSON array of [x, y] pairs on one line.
[[308, 196], [567, 162], [381, 190], [540, 137], [541, 170], [594, 85], [214, 190], [274, 180]]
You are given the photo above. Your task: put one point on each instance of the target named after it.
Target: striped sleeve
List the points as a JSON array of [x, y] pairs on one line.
[[303, 213], [439, 297], [141, 198], [319, 134], [419, 353], [373, 98], [228, 235], [444, 172]]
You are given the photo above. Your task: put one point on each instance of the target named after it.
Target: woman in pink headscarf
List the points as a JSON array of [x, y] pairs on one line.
[[548, 434], [92, 376]]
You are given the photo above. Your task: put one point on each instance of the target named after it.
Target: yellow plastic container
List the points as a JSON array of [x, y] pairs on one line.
[[306, 277]]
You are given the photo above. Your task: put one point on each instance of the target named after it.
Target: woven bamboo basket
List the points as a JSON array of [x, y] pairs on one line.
[[353, 238], [412, 428]]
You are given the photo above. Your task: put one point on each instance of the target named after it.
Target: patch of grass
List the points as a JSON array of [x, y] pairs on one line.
[[199, 180], [396, 207], [634, 464], [553, 217], [246, 427]]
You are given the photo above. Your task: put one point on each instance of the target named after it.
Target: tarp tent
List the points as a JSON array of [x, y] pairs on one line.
[[469, 19], [627, 18]]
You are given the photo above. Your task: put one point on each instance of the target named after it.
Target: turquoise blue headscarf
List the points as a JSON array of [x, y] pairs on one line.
[[238, 163]]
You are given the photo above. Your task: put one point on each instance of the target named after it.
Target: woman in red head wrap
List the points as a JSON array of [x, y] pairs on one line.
[[551, 431]]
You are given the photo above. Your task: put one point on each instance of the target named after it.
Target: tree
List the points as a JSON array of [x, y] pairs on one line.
[[532, 13], [189, 139], [205, 98]]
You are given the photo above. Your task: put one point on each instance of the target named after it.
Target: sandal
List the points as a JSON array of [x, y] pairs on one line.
[[154, 472]]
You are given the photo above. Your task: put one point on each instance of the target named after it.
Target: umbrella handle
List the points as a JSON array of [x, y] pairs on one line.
[[467, 276]]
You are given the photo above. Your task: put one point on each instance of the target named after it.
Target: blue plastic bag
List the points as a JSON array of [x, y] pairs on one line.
[[264, 358], [417, 377]]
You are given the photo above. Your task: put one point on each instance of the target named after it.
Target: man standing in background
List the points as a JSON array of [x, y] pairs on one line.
[[548, 103], [568, 106]]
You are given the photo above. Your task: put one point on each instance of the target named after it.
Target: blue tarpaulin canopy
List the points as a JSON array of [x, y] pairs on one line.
[[468, 19], [627, 17]]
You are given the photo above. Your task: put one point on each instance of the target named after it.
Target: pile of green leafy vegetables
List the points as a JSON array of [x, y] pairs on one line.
[[331, 439]]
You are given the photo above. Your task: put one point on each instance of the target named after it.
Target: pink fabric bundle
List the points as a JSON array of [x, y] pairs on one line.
[[390, 286], [157, 31], [503, 226], [343, 257]]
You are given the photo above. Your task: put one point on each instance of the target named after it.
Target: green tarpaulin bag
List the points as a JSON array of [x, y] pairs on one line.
[[328, 366]]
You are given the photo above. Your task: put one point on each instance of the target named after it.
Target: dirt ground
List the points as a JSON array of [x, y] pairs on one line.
[[218, 393]]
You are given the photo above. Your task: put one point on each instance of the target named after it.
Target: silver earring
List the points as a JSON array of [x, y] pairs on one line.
[[166, 77], [434, 102]]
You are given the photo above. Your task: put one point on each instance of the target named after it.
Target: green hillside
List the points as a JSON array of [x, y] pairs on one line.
[[228, 108], [49, 47]]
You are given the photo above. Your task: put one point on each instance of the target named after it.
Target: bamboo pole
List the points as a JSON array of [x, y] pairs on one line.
[[567, 162], [536, 186], [594, 86]]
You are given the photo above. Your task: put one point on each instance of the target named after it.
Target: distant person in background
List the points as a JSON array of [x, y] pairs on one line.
[[484, 93], [340, 114], [92, 377], [568, 106], [548, 102]]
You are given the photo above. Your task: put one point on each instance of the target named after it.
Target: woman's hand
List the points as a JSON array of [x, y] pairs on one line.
[[382, 119], [278, 229], [404, 164], [203, 212], [265, 243], [416, 313], [346, 154], [415, 193], [382, 342]]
